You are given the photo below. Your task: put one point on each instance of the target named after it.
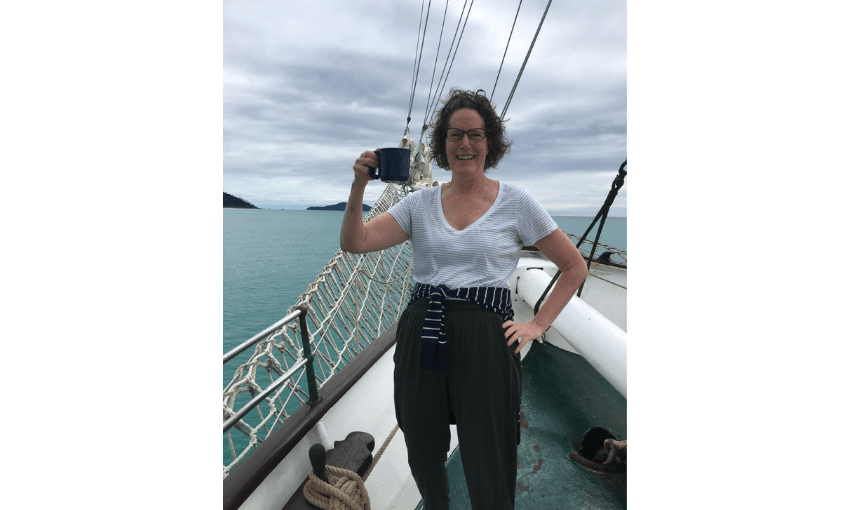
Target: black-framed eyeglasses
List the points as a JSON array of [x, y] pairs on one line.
[[475, 135]]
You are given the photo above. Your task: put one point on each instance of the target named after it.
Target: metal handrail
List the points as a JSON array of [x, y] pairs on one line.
[[306, 359], [259, 336], [265, 393]]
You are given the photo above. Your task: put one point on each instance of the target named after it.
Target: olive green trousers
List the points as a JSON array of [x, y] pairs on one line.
[[479, 390]]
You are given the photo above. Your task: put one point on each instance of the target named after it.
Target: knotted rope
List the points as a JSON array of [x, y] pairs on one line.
[[616, 452], [347, 491], [343, 492]]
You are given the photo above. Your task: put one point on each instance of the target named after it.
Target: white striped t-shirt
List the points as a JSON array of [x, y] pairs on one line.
[[483, 254]]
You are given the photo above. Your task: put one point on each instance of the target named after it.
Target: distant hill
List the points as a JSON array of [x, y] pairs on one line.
[[336, 207], [235, 202]]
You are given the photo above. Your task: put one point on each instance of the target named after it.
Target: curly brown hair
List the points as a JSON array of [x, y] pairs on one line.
[[497, 144]]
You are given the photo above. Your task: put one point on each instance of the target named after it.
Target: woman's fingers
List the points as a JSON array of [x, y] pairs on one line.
[[362, 164], [520, 333]]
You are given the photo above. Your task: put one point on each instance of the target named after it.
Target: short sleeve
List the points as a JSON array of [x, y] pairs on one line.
[[403, 212], [533, 222]]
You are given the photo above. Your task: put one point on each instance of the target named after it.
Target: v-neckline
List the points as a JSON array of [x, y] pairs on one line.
[[474, 223]]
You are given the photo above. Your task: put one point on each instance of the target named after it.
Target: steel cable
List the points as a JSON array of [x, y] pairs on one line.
[[506, 51], [418, 64], [511, 96], [456, 48], [436, 58]]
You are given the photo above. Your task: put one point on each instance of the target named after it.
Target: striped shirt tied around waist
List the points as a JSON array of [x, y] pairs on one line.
[[433, 353]]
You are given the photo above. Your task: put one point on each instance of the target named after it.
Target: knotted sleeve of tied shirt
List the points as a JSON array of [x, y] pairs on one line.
[[433, 348], [433, 353]]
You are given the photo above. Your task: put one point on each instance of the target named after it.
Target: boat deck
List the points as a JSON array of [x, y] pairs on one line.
[[563, 396]]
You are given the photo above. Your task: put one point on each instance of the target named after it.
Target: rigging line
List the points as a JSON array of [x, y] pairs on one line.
[[416, 76], [455, 53], [443, 73], [603, 213], [510, 97], [506, 51], [434, 108], [436, 58], [416, 54]]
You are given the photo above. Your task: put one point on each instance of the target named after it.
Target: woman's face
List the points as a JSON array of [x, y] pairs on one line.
[[465, 156]]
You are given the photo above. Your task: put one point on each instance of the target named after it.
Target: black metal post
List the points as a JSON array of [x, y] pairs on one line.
[[308, 355]]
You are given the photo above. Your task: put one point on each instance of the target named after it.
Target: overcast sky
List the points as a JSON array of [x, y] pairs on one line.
[[308, 86]]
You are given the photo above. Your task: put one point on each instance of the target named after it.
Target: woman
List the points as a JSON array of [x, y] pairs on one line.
[[457, 353]]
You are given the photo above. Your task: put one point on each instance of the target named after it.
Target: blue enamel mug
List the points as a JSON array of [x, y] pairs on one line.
[[393, 165]]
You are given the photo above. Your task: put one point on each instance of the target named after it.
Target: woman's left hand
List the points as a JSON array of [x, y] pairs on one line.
[[521, 333]]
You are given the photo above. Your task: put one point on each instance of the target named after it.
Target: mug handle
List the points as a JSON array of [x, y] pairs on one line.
[[373, 172]]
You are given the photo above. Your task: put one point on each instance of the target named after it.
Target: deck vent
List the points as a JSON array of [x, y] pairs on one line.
[[598, 450]]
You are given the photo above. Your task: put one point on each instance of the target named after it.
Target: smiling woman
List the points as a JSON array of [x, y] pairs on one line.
[[457, 358]]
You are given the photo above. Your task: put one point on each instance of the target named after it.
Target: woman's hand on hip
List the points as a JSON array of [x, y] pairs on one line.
[[521, 333]]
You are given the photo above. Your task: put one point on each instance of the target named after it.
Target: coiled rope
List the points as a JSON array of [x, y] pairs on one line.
[[344, 490]]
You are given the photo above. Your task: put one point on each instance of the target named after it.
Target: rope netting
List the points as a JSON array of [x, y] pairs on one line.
[[353, 300]]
